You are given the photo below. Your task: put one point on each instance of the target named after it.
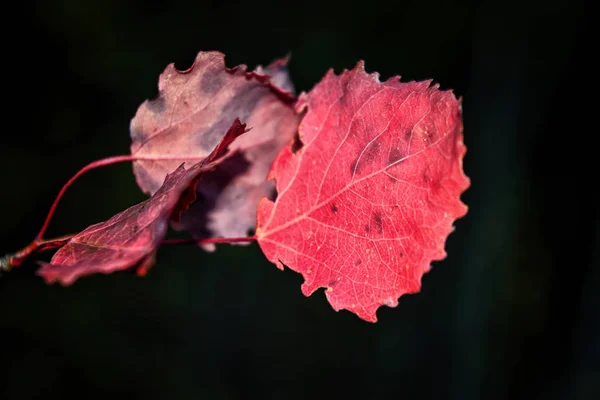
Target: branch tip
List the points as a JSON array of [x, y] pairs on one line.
[[5, 264]]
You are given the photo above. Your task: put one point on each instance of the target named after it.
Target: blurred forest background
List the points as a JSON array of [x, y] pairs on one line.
[[512, 313]]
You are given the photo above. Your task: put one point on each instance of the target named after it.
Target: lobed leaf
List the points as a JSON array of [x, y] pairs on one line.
[[131, 237], [188, 118], [369, 193]]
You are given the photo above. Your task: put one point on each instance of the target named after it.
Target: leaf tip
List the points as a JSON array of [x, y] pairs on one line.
[[5, 263], [280, 266], [51, 274]]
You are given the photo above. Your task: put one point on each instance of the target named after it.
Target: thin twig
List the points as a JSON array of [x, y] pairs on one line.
[[96, 164]]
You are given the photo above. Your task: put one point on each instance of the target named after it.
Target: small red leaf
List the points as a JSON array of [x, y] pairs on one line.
[[131, 237], [367, 202], [187, 120]]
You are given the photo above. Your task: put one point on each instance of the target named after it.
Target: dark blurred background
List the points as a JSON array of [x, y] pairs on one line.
[[512, 313]]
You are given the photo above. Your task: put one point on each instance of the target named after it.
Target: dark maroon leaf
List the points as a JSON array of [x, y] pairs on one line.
[[131, 237]]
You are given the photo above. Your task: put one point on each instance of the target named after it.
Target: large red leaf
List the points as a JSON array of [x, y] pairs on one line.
[[367, 203], [188, 118], [131, 237]]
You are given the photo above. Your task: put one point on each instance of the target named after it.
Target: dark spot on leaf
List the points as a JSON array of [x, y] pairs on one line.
[[371, 152], [332, 283], [358, 262], [157, 106], [272, 192], [426, 176], [297, 143], [207, 139], [241, 105], [378, 222], [137, 134], [395, 156], [210, 84], [401, 254], [368, 156], [334, 208], [354, 168], [367, 228]]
